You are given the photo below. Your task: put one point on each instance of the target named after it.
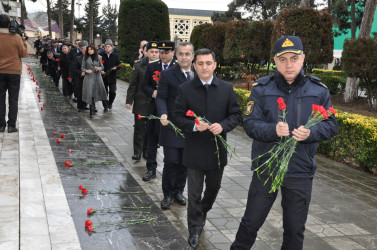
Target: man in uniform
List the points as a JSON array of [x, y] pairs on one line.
[[149, 86], [138, 101], [261, 123], [209, 97], [111, 64], [174, 173]]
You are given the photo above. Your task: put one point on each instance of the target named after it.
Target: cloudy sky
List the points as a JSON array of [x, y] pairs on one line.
[[40, 5]]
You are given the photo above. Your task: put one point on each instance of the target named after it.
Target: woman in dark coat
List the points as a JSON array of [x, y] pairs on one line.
[[93, 89]]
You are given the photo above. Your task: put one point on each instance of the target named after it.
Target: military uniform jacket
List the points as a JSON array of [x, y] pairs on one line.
[[149, 85], [262, 116], [167, 92], [135, 95], [108, 63], [218, 104]]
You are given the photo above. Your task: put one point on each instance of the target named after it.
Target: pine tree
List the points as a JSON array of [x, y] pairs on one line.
[[66, 15], [97, 20], [110, 20]]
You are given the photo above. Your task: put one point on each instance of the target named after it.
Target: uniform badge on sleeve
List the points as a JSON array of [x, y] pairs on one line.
[[249, 108]]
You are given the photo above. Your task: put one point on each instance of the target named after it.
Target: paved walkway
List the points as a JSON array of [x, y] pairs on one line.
[[343, 210]]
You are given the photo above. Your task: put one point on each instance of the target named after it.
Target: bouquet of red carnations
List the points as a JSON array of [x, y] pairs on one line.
[[282, 152]]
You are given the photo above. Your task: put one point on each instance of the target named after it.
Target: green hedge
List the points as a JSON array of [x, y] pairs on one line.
[[125, 72]]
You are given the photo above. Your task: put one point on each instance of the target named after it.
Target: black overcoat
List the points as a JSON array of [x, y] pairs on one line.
[[109, 62], [167, 92], [218, 104], [135, 95]]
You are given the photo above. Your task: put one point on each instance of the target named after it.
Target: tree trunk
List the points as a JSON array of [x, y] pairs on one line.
[[352, 84], [71, 29], [366, 23], [61, 24], [22, 18], [49, 17], [351, 90], [91, 38], [305, 3], [353, 20]]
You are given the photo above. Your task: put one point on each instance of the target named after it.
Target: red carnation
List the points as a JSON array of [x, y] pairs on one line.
[[54, 133], [281, 103], [102, 61], [62, 136], [66, 163], [91, 210], [332, 111], [69, 150], [189, 113], [197, 122], [84, 191], [58, 59], [41, 108], [58, 140], [81, 187], [88, 223], [120, 65], [68, 78], [139, 117], [70, 164], [90, 228]]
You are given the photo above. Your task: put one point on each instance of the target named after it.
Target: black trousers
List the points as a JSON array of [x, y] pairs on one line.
[[111, 92], [10, 83], [79, 82], [174, 173], [296, 196], [196, 204], [140, 140], [153, 131], [67, 87]]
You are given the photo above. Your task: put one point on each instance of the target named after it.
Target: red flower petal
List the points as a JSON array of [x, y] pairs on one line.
[[66, 163], [332, 111], [189, 113], [81, 187], [90, 228], [88, 223], [139, 117], [62, 136], [197, 122], [84, 191], [58, 141]]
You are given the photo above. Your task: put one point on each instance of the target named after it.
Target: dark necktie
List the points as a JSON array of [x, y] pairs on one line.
[[206, 85], [165, 66], [187, 75]]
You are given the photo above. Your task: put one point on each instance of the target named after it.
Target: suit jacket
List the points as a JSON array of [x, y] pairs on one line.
[[108, 63], [135, 95], [218, 104], [64, 65], [168, 84], [75, 72]]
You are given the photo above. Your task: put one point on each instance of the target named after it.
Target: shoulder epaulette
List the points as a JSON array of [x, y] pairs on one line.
[[263, 80], [316, 80], [136, 61]]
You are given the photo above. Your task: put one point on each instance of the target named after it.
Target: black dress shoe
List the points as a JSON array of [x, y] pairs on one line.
[[136, 157], [193, 240], [180, 199], [166, 202], [2, 128], [74, 99], [105, 109], [85, 108], [12, 129], [149, 175], [110, 107]]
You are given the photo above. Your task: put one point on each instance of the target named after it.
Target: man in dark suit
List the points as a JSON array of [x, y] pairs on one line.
[[174, 173], [71, 58], [209, 97], [149, 86], [138, 101], [111, 64], [138, 55], [79, 75], [64, 69]]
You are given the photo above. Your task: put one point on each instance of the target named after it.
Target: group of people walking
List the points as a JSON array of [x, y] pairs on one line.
[[178, 86], [87, 75]]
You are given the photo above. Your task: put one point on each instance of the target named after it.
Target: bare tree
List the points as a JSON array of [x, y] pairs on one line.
[[91, 28], [61, 24], [352, 84], [49, 17], [72, 19]]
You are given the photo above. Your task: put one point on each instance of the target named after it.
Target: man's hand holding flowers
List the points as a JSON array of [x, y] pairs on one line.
[[282, 129], [164, 120], [216, 129], [300, 133]]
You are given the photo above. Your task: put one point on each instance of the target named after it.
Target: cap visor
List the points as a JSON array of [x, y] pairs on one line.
[[289, 51]]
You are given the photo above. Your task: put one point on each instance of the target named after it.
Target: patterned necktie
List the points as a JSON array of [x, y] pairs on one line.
[[165, 66], [187, 75]]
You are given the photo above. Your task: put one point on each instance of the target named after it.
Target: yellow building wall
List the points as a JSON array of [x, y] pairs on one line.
[[181, 26]]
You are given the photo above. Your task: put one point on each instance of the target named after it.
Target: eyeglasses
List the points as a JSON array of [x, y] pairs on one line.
[[187, 54]]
